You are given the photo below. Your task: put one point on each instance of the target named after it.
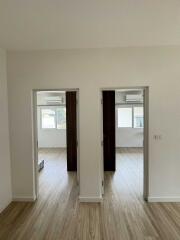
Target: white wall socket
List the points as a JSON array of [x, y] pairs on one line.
[[157, 137]]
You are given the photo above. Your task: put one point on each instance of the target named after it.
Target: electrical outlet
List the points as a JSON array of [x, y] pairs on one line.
[[157, 137]]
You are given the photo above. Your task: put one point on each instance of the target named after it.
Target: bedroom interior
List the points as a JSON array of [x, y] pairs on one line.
[[123, 139], [54, 145]]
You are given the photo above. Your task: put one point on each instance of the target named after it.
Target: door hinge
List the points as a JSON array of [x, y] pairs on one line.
[[102, 183]]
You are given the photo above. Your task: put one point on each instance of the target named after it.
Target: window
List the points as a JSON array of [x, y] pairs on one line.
[[130, 117], [48, 118], [138, 117], [61, 118], [125, 117], [53, 118]]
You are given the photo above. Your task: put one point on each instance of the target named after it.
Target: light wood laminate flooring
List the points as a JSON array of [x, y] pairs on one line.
[[123, 215]]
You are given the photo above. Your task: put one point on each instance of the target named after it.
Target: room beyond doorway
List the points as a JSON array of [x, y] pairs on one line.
[[125, 137], [56, 134]]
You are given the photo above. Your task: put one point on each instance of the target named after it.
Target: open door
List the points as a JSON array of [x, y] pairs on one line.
[[71, 130], [109, 153]]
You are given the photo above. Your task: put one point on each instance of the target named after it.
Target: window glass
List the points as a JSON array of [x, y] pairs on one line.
[[61, 118], [138, 117], [125, 117], [48, 118]]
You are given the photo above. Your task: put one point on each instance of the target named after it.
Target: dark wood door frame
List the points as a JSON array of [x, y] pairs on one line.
[[109, 152], [71, 130]]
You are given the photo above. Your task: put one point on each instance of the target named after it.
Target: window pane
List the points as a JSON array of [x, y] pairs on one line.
[[124, 117], [48, 118], [138, 117], [61, 118]]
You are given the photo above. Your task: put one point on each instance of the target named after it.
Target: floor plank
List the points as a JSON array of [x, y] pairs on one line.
[[123, 214]]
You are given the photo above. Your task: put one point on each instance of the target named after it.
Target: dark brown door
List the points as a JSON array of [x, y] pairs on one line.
[[71, 131], [109, 130]]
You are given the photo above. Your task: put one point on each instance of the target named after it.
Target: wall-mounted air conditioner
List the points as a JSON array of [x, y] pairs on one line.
[[54, 100], [134, 98]]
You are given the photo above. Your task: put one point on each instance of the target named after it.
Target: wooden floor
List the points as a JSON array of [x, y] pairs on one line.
[[57, 214]]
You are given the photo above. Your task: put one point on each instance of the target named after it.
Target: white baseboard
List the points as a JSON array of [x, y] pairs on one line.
[[90, 199], [24, 198], [163, 199], [4, 206]]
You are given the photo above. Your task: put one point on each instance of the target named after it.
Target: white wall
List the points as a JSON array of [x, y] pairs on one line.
[[5, 168], [50, 138], [89, 70], [129, 137]]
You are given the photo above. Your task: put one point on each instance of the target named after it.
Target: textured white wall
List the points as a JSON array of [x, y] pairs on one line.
[[129, 137], [5, 167], [89, 70]]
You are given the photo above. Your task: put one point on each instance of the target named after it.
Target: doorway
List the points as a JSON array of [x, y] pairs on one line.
[[56, 137], [125, 139]]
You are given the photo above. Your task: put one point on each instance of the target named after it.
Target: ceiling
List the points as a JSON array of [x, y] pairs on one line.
[[64, 24]]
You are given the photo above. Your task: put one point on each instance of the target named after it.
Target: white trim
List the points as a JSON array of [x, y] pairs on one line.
[[3, 207], [90, 199], [24, 199], [101, 141], [164, 199]]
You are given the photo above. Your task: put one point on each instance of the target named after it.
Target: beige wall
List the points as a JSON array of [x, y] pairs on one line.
[[5, 168], [89, 70]]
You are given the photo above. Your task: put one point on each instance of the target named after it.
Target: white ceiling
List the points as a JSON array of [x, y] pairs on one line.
[[61, 24]]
